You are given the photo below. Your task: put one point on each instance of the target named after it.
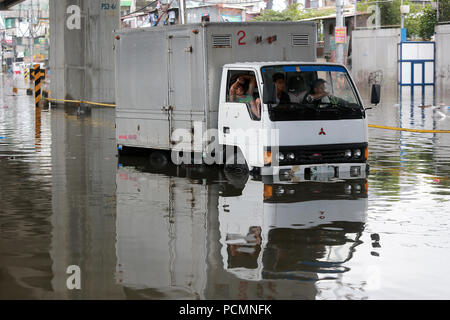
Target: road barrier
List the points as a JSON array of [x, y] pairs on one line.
[[409, 130], [37, 84], [82, 102]]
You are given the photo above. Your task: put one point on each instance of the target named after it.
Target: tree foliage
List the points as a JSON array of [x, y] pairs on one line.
[[390, 12], [427, 21], [444, 10], [294, 12], [419, 22]]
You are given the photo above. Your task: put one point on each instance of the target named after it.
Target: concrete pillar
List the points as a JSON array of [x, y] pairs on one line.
[[82, 57], [442, 63]]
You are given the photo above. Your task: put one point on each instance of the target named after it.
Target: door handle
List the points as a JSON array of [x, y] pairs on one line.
[[226, 130]]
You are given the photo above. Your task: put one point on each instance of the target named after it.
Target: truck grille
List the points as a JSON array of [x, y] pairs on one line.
[[300, 40], [319, 155], [221, 41]]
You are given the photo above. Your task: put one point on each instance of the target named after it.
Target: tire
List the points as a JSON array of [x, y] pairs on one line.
[[236, 164]]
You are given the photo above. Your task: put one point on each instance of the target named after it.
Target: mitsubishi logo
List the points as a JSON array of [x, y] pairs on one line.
[[322, 132]]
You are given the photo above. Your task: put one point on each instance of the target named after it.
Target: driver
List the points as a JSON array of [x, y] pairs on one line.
[[318, 92]]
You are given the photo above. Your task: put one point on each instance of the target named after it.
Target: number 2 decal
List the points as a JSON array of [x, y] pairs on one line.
[[242, 35]]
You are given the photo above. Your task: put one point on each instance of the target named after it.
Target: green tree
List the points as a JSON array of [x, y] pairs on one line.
[[294, 12], [444, 10], [390, 13], [427, 21], [291, 13], [419, 22], [412, 20]]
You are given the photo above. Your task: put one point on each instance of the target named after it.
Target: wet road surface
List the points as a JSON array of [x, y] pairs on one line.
[[141, 229]]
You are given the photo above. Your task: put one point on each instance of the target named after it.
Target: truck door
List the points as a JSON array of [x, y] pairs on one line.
[[179, 71], [240, 115], [181, 112]]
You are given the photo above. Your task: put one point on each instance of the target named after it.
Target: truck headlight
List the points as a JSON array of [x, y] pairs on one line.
[[280, 191], [348, 154], [357, 154], [281, 157], [291, 156], [348, 189]]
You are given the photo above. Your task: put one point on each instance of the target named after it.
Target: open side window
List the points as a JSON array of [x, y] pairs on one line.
[[242, 88]]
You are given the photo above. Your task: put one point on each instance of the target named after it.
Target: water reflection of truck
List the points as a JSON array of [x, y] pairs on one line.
[[174, 83], [292, 231], [161, 233], [180, 233]]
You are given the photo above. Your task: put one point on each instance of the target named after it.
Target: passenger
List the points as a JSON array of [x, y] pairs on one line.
[[297, 89], [238, 94], [318, 91], [282, 97]]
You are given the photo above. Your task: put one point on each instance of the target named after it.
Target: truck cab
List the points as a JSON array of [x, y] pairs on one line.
[[293, 119]]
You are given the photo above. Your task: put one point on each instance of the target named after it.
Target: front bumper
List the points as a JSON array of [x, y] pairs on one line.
[[317, 172]]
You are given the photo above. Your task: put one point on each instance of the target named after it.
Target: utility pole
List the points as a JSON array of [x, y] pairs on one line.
[[30, 27], [3, 49], [402, 16], [339, 24], [183, 11]]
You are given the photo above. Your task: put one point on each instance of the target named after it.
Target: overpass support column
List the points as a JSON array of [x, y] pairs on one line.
[[81, 49]]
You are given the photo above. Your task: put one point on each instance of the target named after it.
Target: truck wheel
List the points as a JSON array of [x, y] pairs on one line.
[[236, 164], [235, 184]]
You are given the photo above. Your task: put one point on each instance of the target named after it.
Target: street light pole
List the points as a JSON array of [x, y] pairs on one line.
[[30, 27], [402, 16], [339, 24]]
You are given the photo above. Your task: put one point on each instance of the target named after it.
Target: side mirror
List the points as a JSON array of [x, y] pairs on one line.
[[269, 94], [376, 94]]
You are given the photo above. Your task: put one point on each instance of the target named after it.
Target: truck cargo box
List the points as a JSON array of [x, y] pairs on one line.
[[168, 78]]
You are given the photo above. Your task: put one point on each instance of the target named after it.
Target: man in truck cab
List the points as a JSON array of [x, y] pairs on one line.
[[319, 93], [281, 97], [238, 94]]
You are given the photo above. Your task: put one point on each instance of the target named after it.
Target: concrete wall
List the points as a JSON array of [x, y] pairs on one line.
[[82, 60], [374, 50], [442, 63]]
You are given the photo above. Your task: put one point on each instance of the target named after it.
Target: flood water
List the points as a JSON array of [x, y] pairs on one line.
[[141, 229]]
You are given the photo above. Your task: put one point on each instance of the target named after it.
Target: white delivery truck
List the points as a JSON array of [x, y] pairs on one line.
[[250, 94]]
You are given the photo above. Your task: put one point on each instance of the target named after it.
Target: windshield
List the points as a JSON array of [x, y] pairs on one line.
[[310, 93]]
